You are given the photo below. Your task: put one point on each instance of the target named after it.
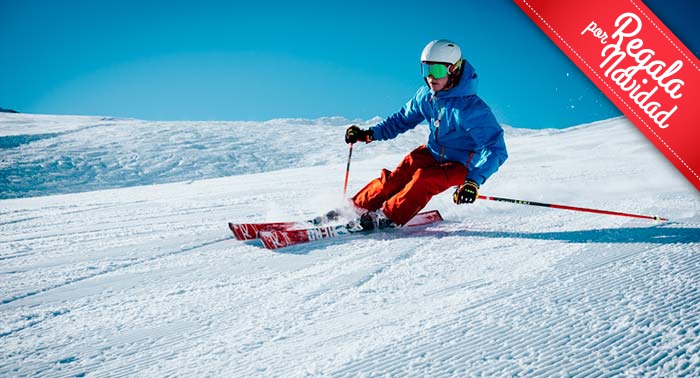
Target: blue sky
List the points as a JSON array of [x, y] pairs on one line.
[[235, 60]]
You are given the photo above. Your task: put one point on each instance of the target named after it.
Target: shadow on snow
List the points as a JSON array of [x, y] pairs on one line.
[[651, 235]]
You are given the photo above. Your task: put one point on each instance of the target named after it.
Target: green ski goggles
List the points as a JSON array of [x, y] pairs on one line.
[[436, 70]]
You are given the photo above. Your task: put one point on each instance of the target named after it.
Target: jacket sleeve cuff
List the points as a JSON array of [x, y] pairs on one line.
[[376, 133], [478, 180]]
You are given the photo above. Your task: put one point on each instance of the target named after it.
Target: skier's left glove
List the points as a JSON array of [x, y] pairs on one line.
[[466, 193], [355, 134]]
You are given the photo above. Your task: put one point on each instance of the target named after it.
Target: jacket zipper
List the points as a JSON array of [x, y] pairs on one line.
[[437, 129]]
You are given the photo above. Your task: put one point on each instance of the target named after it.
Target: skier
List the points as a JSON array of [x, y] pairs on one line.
[[464, 149]]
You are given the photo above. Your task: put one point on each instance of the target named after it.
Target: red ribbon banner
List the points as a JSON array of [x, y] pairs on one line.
[[638, 63]]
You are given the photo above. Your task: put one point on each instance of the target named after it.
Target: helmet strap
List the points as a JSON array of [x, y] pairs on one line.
[[456, 67], [455, 74]]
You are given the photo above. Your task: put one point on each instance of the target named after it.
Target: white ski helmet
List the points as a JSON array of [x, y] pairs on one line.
[[441, 51]]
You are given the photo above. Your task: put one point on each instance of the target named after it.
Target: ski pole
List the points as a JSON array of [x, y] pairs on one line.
[[347, 172], [564, 207]]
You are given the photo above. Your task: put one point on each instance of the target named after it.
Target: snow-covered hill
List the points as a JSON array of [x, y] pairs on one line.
[[145, 279]]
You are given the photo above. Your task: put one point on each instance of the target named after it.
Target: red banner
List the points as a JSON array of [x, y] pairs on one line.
[[638, 63]]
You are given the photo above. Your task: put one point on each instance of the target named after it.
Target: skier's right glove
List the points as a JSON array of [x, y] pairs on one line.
[[355, 134], [466, 193]]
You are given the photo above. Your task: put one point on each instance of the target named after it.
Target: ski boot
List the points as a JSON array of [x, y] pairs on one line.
[[371, 220]]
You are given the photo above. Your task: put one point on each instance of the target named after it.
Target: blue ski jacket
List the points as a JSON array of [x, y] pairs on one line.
[[462, 127]]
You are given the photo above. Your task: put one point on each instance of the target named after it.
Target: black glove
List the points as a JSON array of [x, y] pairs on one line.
[[355, 134], [466, 193]]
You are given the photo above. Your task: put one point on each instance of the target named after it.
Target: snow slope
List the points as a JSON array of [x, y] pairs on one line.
[[147, 280]]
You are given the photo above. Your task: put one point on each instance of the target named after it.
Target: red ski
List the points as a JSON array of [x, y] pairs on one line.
[[273, 239], [249, 231]]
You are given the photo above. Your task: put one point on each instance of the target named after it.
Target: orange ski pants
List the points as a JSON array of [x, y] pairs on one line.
[[402, 193]]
